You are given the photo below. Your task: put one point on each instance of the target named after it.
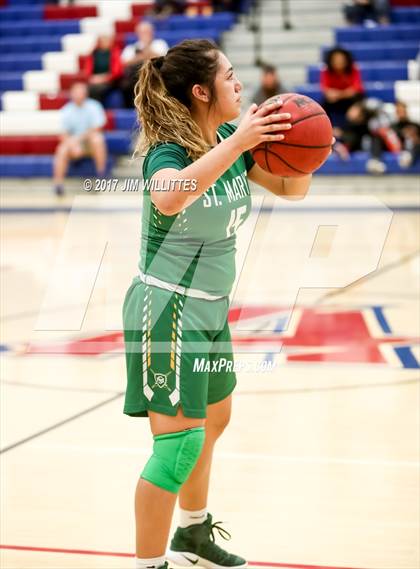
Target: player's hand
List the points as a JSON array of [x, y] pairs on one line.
[[262, 124]]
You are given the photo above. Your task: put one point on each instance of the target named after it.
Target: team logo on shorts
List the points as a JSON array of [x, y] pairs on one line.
[[161, 380]]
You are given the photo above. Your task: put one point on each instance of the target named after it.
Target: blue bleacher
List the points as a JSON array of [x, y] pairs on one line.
[[42, 166], [39, 28], [26, 3], [378, 51], [221, 21], [11, 82], [118, 142], [124, 119], [27, 62], [334, 166], [405, 15], [35, 44], [174, 37], [16, 13], [404, 32]]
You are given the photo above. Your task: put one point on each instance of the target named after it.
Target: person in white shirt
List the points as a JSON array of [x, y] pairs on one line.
[[133, 56], [82, 119]]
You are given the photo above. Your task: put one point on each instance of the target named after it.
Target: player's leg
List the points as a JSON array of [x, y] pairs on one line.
[[155, 333], [154, 505], [193, 494], [97, 147], [193, 542]]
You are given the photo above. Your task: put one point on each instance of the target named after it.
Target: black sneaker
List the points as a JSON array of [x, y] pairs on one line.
[[195, 545]]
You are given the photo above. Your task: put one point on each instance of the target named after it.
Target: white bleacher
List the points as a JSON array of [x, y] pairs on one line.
[[60, 62], [79, 44], [41, 81], [97, 26], [20, 101], [120, 10], [35, 122]]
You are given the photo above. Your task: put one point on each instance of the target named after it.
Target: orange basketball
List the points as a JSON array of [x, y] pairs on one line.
[[305, 147]]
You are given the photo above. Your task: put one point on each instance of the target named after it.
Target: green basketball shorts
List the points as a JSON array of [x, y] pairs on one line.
[[178, 352]]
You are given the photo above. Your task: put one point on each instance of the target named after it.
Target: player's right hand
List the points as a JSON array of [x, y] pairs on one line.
[[262, 124]]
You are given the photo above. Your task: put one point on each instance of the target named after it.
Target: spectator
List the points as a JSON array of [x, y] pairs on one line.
[[165, 8], [82, 119], [135, 54], [351, 134], [409, 135], [103, 68], [341, 84], [270, 85], [226, 5], [367, 127], [368, 12]]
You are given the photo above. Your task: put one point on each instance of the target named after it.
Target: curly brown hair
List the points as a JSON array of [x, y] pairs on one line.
[[163, 97]]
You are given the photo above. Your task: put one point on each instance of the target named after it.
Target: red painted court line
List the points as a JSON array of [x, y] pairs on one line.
[[117, 554]]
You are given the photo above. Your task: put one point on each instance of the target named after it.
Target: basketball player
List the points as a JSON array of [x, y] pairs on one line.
[[185, 101]]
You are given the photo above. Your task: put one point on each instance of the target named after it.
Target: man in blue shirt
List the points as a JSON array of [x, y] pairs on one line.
[[82, 120]]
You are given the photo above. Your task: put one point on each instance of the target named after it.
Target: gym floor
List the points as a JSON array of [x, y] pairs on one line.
[[319, 467]]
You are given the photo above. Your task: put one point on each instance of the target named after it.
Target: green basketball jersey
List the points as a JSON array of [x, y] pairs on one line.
[[196, 247]]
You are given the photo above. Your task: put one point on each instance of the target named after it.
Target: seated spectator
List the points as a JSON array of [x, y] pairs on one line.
[[82, 119], [135, 54], [341, 84], [409, 135], [165, 8], [367, 127], [226, 5], [103, 68], [368, 12], [270, 85]]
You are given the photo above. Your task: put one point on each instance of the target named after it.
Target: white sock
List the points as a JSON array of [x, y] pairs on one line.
[[189, 518], [152, 563]]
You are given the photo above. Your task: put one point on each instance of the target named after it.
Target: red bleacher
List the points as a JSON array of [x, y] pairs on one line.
[[52, 102], [405, 3], [125, 26], [53, 12]]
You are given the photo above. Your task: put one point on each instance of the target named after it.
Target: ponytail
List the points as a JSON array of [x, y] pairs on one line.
[[162, 116]]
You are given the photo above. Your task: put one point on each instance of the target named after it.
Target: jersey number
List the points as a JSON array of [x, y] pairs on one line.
[[235, 221]]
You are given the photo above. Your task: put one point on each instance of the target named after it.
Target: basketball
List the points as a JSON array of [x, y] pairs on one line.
[[305, 147]]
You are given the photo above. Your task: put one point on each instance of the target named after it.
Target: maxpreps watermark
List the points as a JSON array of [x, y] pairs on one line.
[[132, 185], [204, 365]]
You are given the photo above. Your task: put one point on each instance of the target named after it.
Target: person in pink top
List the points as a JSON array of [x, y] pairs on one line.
[[341, 84]]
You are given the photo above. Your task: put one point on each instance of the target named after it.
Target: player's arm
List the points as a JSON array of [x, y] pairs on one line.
[[204, 172], [255, 127], [288, 188]]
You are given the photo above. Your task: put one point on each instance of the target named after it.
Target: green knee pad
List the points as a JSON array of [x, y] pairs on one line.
[[174, 457]]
